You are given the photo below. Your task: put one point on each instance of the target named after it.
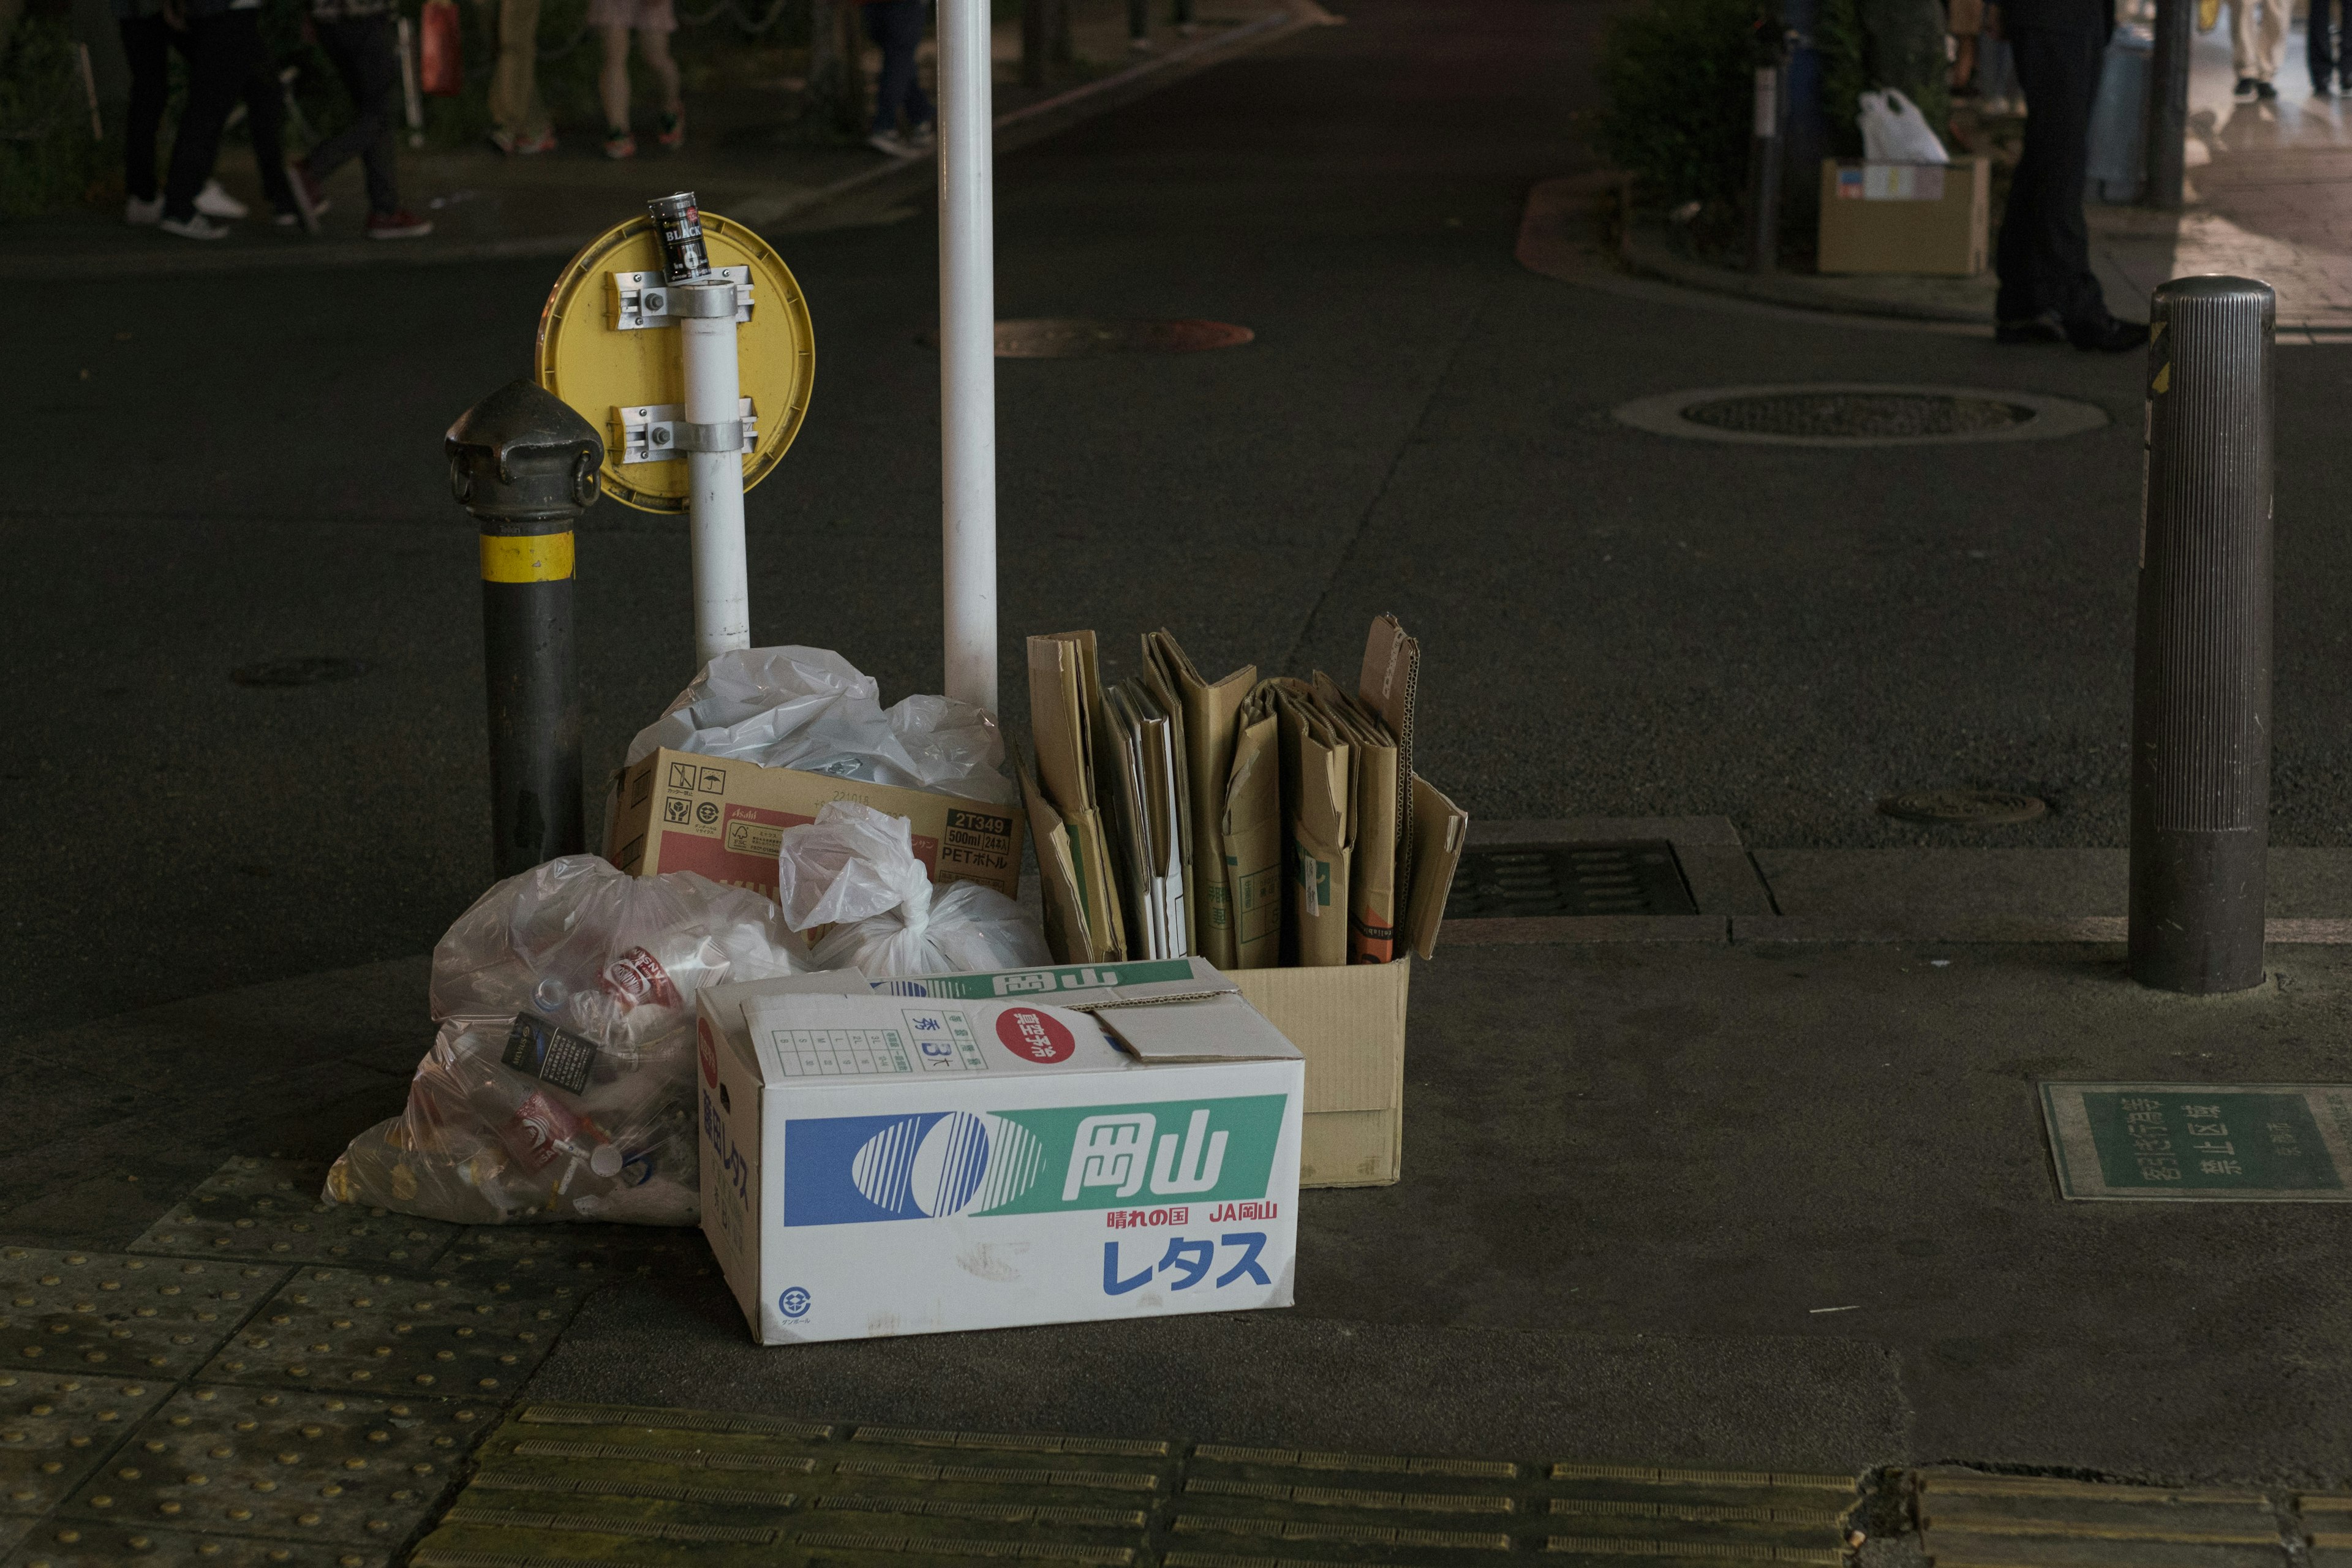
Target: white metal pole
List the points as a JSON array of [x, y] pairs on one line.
[[722, 596], [968, 350]]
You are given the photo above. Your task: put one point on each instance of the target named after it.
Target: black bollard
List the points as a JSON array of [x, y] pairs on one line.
[[2202, 670], [1764, 166], [525, 465]]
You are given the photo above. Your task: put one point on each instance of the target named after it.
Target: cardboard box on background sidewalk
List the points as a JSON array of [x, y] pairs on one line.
[[893, 1162], [1917, 218], [678, 811]]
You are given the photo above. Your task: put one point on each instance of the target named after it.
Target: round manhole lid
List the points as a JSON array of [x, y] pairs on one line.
[[1859, 414], [316, 671], [1070, 337], [1984, 808]]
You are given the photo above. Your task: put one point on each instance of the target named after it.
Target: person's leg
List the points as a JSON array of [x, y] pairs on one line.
[[2270, 40], [515, 107], [897, 27], [264, 116], [144, 48], [220, 58], [365, 54], [652, 47], [921, 113], [1139, 23], [2241, 39], [613, 80], [2044, 252]]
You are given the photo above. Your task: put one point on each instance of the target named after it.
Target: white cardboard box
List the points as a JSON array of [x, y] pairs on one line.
[[881, 1164]]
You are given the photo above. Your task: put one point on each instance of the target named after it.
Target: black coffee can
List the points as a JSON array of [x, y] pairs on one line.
[[679, 223]]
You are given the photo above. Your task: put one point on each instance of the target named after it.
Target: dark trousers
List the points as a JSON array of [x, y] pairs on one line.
[[366, 53], [897, 28], [147, 43], [227, 61], [2329, 44], [2044, 258]]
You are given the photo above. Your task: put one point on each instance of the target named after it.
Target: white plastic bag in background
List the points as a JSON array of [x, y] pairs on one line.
[[559, 1085], [810, 709], [1895, 131], [855, 868]]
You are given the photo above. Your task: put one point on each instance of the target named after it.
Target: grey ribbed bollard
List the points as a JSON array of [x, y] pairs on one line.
[[525, 465], [2201, 671]]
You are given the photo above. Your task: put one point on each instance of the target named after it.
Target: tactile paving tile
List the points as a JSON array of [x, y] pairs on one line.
[[54, 1426], [271, 1209], [86, 1545], [104, 1313], [584, 1255], [341, 1329], [309, 1467]]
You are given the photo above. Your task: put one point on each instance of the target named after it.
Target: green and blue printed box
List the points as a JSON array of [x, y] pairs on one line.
[[976, 1157]]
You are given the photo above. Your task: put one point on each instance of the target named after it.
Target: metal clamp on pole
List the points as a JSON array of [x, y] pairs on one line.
[[525, 466], [705, 306], [2201, 668]]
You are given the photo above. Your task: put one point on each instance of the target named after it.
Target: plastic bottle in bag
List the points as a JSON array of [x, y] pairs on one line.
[[559, 1085]]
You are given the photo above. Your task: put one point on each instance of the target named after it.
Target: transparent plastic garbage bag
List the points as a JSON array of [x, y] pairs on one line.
[[809, 707], [560, 1083], [855, 868]]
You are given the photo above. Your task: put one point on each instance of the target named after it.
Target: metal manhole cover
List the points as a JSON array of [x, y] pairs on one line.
[[53, 1426], [1079, 338], [341, 1329], [105, 1315], [271, 1209], [1550, 881], [1981, 808], [303, 1466], [1859, 414], [298, 671]]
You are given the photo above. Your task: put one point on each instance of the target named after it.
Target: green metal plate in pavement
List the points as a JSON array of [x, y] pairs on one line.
[[103, 1314], [270, 1210], [55, 1426], [2244, 1142], [475, 1337]]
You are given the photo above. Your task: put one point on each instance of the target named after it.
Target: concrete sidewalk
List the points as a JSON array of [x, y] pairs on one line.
[[2269, 196]]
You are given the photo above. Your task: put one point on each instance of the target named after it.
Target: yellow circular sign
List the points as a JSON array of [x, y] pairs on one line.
[[609, 374]]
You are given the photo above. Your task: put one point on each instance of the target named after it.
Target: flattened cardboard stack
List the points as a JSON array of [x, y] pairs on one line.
[[1275, 827]]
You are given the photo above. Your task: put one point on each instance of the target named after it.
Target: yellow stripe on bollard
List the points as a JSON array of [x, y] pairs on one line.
[[526, 557]]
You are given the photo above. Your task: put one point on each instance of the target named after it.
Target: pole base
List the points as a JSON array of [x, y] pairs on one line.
[[2197, 910]]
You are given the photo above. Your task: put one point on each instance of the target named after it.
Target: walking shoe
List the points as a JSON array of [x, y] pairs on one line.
[[890, 141], [2245, 88], [400, 225], [147, 212], [2045, 327], [673, 132], [195, 226], [214, 202], [516, 146], [2265, 92], [926, 136], [620, 145], [2109, 336], [308, 205]]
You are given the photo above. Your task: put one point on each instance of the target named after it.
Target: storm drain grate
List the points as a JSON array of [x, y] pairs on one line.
[[1547, 881]]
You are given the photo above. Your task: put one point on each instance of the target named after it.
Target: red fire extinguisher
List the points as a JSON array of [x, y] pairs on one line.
[[443, 62]]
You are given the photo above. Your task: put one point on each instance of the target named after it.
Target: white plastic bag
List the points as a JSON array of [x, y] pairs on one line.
[[855, 868], [809, 707], [1895, 131], [559, 1085]]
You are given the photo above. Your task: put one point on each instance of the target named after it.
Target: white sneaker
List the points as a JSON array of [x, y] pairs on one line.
[[146, 211], [195, 227], [215, 202], [893, 143]]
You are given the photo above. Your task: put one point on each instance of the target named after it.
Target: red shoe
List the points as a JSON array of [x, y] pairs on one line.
[[401, 225]]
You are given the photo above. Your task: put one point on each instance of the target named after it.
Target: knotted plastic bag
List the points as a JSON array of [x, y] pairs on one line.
[[855, 868], [809, 707], [560, 1084], [1895, 131]]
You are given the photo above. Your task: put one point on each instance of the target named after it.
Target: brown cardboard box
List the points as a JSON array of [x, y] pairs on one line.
[[1921, 218], [1348, 1021], [676, 811]]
